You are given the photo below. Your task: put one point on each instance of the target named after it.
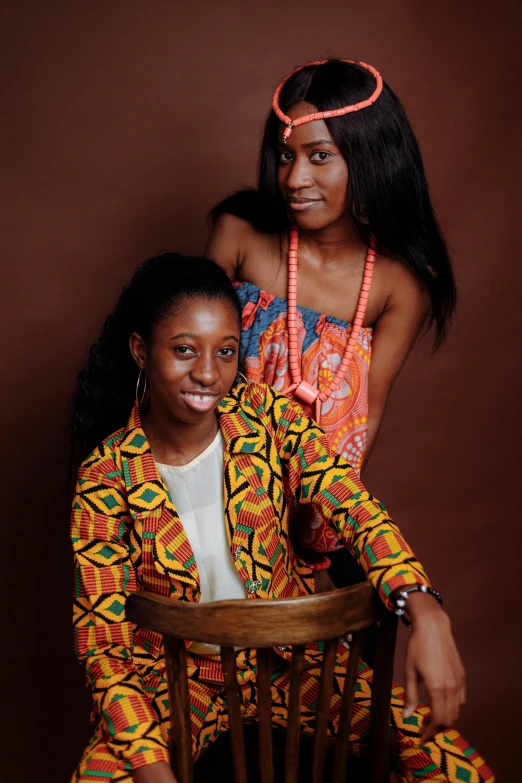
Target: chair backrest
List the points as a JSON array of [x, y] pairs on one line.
[[265, 624]]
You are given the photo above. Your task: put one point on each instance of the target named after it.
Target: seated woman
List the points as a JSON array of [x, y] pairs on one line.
[[152, 512]]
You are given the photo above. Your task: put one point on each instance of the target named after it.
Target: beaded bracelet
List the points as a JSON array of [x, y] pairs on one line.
[[400, 602], [321, 565]]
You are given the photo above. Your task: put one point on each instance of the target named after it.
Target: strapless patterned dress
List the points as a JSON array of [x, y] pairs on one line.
[[322, 341]]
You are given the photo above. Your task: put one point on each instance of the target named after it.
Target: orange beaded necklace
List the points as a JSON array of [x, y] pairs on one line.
[[302, 389]]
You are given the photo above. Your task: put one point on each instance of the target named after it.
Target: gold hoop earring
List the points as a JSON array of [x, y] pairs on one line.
[[139, 400], [245, 379]]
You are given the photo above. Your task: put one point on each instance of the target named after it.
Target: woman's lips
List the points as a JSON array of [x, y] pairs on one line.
[[300, 205], [200, 401]]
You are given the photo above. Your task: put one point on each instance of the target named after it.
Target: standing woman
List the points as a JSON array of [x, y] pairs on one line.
[[338, 254]]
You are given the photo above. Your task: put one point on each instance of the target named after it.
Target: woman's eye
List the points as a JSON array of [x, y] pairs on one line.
[[183, 349], [285, 157], [227, 352], [320, 157]]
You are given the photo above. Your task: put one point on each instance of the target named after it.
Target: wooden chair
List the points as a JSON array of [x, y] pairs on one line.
[[265, 624]]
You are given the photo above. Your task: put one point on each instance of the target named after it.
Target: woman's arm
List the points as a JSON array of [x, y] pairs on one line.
[[319, 476], [226, 244], [104, 577], [394, 335], [324, 479]]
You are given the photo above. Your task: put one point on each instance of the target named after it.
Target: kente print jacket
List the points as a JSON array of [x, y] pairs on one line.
[[127, 537]]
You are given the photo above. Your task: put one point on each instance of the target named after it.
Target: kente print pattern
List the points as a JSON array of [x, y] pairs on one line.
[[448, 758], [322, 341], [127, 536]]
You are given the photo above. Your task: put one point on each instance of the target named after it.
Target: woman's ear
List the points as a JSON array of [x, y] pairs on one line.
[[138, 350]]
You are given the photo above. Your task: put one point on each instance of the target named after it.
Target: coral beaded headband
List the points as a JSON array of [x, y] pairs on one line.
[[325, 115]]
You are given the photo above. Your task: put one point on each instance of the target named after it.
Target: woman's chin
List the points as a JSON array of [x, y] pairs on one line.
[[309, 221]]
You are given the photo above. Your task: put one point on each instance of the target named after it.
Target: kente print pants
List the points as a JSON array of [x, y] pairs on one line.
[[448, 758]]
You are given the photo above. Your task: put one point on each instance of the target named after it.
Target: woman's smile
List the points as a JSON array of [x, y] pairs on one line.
[[200, 401]]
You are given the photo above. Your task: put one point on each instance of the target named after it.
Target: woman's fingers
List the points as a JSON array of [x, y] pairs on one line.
[[460, 686], [432, 657], [411, 690], [455, 688], [463, 692], [453, 705], [426, 721], [445, 702], [461, 675], [438, 718]]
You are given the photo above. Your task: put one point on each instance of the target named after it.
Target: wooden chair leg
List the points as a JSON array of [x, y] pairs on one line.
[[180, 726], [228, 661], [323, 709], [345, 717], [380, 733], [264, 704], [394, 750], [294, 714]]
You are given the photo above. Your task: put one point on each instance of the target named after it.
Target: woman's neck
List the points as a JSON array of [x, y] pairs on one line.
[[174, 442], [335, 240]]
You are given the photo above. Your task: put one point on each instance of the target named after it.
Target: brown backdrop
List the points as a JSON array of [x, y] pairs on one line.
[[123, 122]]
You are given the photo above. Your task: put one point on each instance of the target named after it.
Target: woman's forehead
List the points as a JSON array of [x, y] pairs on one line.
[[308, 134], [201, 313]]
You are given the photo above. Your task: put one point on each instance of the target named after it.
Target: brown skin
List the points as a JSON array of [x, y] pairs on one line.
[[433, 659], [160, 772], [195, 349], [331, 258]]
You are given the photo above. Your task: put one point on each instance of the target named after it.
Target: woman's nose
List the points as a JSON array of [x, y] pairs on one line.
[[299, 176], [205, 370]]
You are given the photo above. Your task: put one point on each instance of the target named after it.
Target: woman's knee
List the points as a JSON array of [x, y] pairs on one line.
[[97, 761]]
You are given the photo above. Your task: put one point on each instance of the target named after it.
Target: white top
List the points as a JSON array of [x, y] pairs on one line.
[[196, 490]]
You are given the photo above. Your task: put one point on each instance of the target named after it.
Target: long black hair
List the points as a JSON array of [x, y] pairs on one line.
[[387, 190], [106, 387]]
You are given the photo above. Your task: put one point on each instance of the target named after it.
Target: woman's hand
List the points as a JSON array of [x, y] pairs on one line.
[[432, 657], [160, 772]]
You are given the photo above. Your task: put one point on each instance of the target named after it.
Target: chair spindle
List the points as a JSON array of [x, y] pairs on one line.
[[294, 714], [264, 703], [380, 735], [345, 716], [228, 661], [180, 725], [323, 708]]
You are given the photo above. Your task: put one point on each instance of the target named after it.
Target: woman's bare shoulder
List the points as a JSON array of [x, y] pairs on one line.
[[396, 275], [397, 285], [234, 242]]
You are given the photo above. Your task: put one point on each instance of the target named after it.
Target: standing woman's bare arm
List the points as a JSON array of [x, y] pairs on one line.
[[394, 335], [227, 242]]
